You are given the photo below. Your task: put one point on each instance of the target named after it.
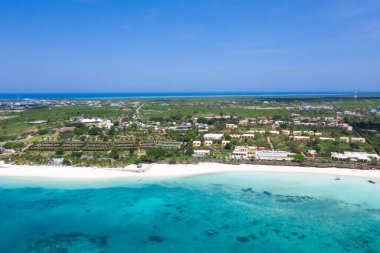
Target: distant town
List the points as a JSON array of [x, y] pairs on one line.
[[317, 130]]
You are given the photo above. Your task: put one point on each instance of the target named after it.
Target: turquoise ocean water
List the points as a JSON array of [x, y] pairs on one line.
[[226, 212]]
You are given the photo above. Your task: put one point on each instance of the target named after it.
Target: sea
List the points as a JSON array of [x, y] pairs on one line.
[[225, 212], [14, 96]]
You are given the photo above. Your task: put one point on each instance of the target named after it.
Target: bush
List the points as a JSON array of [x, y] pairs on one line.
[[228, 146], [76, 154], [114, 154], [189, 151], [95, 131], [59, 151], [79, 131], [298, 158], [155, 154], [172, 160], [11, 145], [66, 161]]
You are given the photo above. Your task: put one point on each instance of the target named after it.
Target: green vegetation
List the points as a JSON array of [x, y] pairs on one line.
[[133, 135]]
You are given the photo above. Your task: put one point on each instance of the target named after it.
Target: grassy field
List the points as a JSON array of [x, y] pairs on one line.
[[18, 123]]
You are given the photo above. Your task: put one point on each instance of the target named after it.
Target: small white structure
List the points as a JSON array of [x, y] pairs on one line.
[[299, 138], [274, 132], [237, 136], [248, 135], [225, 142], [108, 124], [196, 143], [344, 139], [297, 133], [57, 161], [213, 136], [326, 139], [358, 139], [208, 143], [285, 132]]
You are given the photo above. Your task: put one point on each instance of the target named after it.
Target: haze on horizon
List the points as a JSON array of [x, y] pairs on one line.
[[189, 45]]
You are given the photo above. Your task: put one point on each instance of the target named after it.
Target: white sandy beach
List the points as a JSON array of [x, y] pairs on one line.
[[167, 171]]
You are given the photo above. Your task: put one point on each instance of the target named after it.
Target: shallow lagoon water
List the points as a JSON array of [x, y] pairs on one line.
[[226, 212]]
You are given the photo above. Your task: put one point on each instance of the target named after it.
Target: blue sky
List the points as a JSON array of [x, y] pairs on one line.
[[190, 45]]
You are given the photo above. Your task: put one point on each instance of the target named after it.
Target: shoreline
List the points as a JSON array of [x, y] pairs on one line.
[[168, 171]]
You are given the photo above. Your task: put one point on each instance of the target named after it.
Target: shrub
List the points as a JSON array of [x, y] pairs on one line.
[[298, 158], [10, 145], [59, 151]]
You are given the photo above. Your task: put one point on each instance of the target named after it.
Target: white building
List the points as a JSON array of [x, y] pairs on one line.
[[326, 139], [273, 155], [299, 138], [248, 135], [196, 143], [107, 124], [225, 142], [297, 133], [213, 136], [358, 139], [344, 139], [355, 156], [208, 143]]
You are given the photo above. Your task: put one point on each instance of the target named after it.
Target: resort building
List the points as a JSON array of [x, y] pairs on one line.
[[248, 135], [197, 143], [297, 133], [285, 132], [344, 139], [299, 138], [91, 121], [358, 139], [208, 143], [312, 152], [326, 139], [273, 155], [201, 153], [213, 136], [169, 144], [355, 156], [243, 152], [237, 136], [180, 128], [318, 134], [274, 132], [310, 133]]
